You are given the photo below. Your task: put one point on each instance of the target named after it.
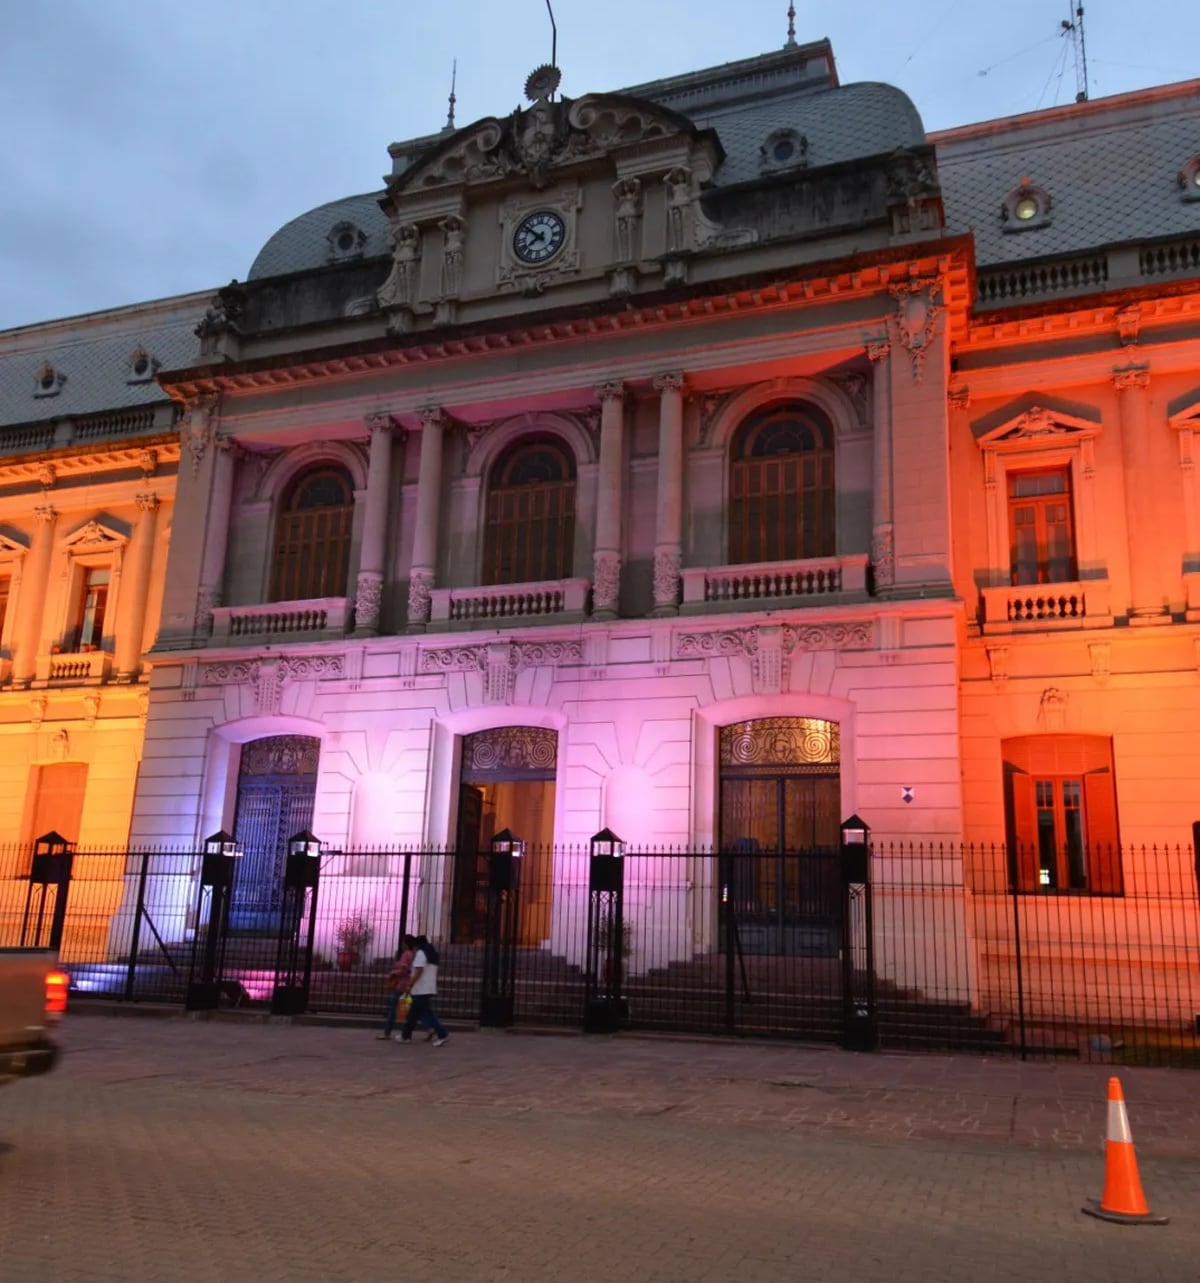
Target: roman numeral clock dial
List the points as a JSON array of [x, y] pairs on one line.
[[539, 237]]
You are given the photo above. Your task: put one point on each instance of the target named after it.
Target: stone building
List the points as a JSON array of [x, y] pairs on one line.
[[709, 460]]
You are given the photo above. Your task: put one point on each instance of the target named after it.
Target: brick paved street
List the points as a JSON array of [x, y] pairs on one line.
[[178, 1150]]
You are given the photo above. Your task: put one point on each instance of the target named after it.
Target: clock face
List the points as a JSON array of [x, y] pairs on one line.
[[539, 237]]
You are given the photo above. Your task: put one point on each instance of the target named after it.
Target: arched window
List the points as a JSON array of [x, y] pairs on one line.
[[529, 533], [312, 536], [781, 496]]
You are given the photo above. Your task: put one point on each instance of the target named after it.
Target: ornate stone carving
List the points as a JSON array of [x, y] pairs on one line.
[[455, 659], [281, 755], [223, 313], [46, 475], [1100, 654], [1129, 324], [147, 502], [45, 516], [959, 396], [1052, 712], [857, 390], [400, 288], [878, 350], [420, 585], [725, 642], [60, 745], [498, 684], [998, 663], [37, 710], [667, 564], [1128, 377], [781, 741], [537, 654], [768, 666], [368, 597], [883, 556], [454, 234], [606, 580], [678, 184], [268, 687], [1036, 422], [857, 635], [916, 318], [91, 534], [509, 748], [147, 461], [613, 390], [432, 417], [197, 428], [233, 672], [669, 381], [91, 709], [711, 405], [628, 215], [312, 668]]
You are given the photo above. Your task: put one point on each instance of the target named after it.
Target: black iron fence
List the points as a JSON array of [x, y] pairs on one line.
[[943, 947]]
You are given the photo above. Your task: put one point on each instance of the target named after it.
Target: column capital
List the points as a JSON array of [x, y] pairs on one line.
[[146, 502], [670, 381], [613, 390], [878, 349], [1126, 377], [45, 515], [432, 416], [959, 396], [379, 421]]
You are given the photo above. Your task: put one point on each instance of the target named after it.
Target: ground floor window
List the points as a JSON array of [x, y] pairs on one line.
[[1061, 814]]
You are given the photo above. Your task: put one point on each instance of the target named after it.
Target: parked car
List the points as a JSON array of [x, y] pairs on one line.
[[33, 997]]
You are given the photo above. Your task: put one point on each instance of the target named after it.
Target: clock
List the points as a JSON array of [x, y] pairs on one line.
[[539, 237]]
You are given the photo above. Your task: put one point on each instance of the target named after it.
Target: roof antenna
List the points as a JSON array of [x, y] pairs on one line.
[[553, 36], [791, 40], [1074, 26], [448, 128]]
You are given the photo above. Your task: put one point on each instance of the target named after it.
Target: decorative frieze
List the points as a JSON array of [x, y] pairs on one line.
[[294, 668], [854, 635], [514, 656]]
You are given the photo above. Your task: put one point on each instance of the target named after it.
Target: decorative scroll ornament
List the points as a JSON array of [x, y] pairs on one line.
[[781, 741], [1128, 377], [197, 429], [739, 641], [368, 598], [510, 748], [538, 654], [282, 755], [856, 635], [916, 318], [883, 556], [1053, 710], [455, 659], [420, 585]]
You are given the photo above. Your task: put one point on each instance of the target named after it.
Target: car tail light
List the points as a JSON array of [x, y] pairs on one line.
[[58, 984]]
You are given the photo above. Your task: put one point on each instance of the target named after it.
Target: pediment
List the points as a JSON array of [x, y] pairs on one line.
[[544, 137], [94, 535], [12, 545], [1188, 414], [1037, 425]]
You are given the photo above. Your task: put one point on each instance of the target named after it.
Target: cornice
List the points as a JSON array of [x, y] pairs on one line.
[[856, 278], [71, 461]]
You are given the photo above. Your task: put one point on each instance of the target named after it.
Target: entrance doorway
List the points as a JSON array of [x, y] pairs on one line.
[[780, 803], [507, 782], [277, 784]]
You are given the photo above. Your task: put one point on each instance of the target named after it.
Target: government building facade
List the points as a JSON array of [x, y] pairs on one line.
[[709, 461]]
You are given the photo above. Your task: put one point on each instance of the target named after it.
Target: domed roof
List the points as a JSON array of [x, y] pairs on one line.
[[353, 227]]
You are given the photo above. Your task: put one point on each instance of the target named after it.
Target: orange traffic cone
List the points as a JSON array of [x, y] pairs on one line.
[[1123, 1201]]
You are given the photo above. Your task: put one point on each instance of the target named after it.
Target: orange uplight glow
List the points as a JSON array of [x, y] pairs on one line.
[[58, 984]]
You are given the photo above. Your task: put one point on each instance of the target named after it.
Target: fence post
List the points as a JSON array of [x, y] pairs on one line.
[[727, 928], [404, 893], [1014, 892], [293, 963], [497, 1001], [135, 939], [860, 1031], [604, 1004], [53, 856], [221, 854]]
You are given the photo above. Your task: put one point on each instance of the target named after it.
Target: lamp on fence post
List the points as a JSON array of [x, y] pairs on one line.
[[53, 856], [859, 1030], [293, 962], [498, 998], [218, 865], [605, 1008]]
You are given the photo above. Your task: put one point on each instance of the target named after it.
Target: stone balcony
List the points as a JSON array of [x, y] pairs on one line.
[[282, 620], [773, 583], [1047, 607], [556, 600], [78, 668]]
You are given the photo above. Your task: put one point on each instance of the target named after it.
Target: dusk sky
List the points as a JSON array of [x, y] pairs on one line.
[[152, 146]]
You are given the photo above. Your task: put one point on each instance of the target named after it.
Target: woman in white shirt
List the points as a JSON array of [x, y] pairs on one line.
[[422, 990]]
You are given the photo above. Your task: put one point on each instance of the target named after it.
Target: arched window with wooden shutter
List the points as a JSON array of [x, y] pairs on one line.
[[1061, 811], [529, 529], [781, 486], [311, 555]]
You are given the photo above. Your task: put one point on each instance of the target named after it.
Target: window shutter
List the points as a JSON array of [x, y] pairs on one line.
[[1022, 837], [1100, 832]]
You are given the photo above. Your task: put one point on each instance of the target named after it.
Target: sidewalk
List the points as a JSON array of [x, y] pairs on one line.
[[783, 1087]]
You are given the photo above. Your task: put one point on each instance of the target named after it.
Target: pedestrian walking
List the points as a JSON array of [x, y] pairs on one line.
[[423, 990], [398, 982]]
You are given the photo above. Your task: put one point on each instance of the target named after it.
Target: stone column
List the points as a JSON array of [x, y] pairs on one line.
[[137, 577], [668, 540], [216, 536], [883, 556], [368, 594], [422, 574], [606, 561], [1146, 604], [33, 593]]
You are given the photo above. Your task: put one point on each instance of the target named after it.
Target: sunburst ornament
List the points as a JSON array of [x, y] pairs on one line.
[[542, 82]]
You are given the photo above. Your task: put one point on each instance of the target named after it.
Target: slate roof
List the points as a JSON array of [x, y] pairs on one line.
[[1110, 168], [94, 354]]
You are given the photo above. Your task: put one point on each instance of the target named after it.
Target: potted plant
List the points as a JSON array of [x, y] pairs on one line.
[[354, 933]]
